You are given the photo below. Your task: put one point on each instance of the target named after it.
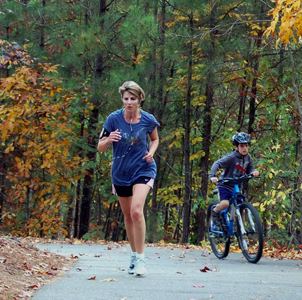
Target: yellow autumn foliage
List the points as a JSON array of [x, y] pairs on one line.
[[36, 138]]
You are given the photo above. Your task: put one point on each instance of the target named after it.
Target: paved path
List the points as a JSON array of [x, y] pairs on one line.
[[173, 274]]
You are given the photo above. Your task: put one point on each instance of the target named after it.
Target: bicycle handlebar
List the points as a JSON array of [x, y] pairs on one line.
[[237, 179]]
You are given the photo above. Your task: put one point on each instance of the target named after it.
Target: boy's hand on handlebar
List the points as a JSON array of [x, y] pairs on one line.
[[255, 173], [214, 180]]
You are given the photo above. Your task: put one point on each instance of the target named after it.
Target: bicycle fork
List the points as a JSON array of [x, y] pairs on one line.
[[239, 219], [251, 220]]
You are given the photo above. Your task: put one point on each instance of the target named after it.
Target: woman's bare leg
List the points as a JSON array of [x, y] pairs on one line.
[[126, 203], [140, 192]]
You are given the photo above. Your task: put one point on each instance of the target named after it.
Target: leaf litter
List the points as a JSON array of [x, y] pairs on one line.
[[25, 269]]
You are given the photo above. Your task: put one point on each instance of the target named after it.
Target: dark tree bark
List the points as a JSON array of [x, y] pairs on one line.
[[42, 24], [252, 111], [92, 141], [242, 104], [187, 199], [157, 105], [207, 127], [2, 185]]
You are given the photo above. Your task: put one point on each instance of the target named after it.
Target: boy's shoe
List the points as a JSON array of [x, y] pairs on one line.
[[132, 265], [140, 267], [216, 220]]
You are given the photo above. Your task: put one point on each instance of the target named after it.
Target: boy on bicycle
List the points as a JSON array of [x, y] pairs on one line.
[[235, 164]]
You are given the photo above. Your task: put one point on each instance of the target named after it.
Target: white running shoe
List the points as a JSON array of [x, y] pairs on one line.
[[140, 267], [132, 264]]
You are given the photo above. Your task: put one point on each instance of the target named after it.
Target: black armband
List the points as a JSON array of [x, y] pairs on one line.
[[104, 132]]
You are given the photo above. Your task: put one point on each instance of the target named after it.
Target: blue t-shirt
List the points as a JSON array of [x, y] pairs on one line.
[[128, 163]]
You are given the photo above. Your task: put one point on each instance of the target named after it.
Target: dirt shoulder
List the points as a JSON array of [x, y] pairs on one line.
[[24, 268]]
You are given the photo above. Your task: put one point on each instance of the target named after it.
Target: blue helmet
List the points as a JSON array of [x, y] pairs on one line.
[[241, 138]]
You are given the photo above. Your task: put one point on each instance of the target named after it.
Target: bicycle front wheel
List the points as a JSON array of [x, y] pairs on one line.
[[250, 236], [220, 242]]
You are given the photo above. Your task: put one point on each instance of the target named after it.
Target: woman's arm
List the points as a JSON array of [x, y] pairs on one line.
[[105, 141], [154, 141]]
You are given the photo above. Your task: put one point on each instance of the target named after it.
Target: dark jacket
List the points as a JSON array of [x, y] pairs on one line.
[[233, 165]]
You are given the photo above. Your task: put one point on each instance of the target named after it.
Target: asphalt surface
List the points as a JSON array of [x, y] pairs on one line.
[[173, 274]]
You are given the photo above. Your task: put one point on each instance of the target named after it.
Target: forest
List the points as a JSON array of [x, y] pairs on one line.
[[209, 69]]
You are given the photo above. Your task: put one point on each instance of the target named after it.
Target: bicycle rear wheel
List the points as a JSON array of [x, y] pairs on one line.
[[250, 241], [220, 242]]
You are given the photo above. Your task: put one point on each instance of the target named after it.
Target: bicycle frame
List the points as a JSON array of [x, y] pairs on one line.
[[239, 219], [229, 219]]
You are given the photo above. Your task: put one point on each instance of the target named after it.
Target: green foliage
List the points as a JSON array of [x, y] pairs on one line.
[[48, 112], [94, 233]]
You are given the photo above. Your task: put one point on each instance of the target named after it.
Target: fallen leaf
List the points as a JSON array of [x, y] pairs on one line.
[[77, 242], [27, 267], [35, 287], [205, 269], [108, 279], [236, 250], [43, 265], [92, 278], [25, 294], [50, 273]]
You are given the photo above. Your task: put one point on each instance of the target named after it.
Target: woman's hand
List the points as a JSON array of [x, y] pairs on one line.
[[148, 157], [104, 142], [114, 136]]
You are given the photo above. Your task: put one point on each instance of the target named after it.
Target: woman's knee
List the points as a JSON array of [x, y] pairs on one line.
[[137, 214], [127, 217]]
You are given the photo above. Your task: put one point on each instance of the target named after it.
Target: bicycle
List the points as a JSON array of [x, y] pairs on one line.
[[240, 219]]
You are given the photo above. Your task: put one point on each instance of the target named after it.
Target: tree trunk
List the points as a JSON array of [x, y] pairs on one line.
[[92, 143], [297, 238], [42, 24], [187, 199], [89, 176], [160, 107], [72, 214], [204, 162], [252, 111], [242, 103], [2, 185], [206, 133]]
